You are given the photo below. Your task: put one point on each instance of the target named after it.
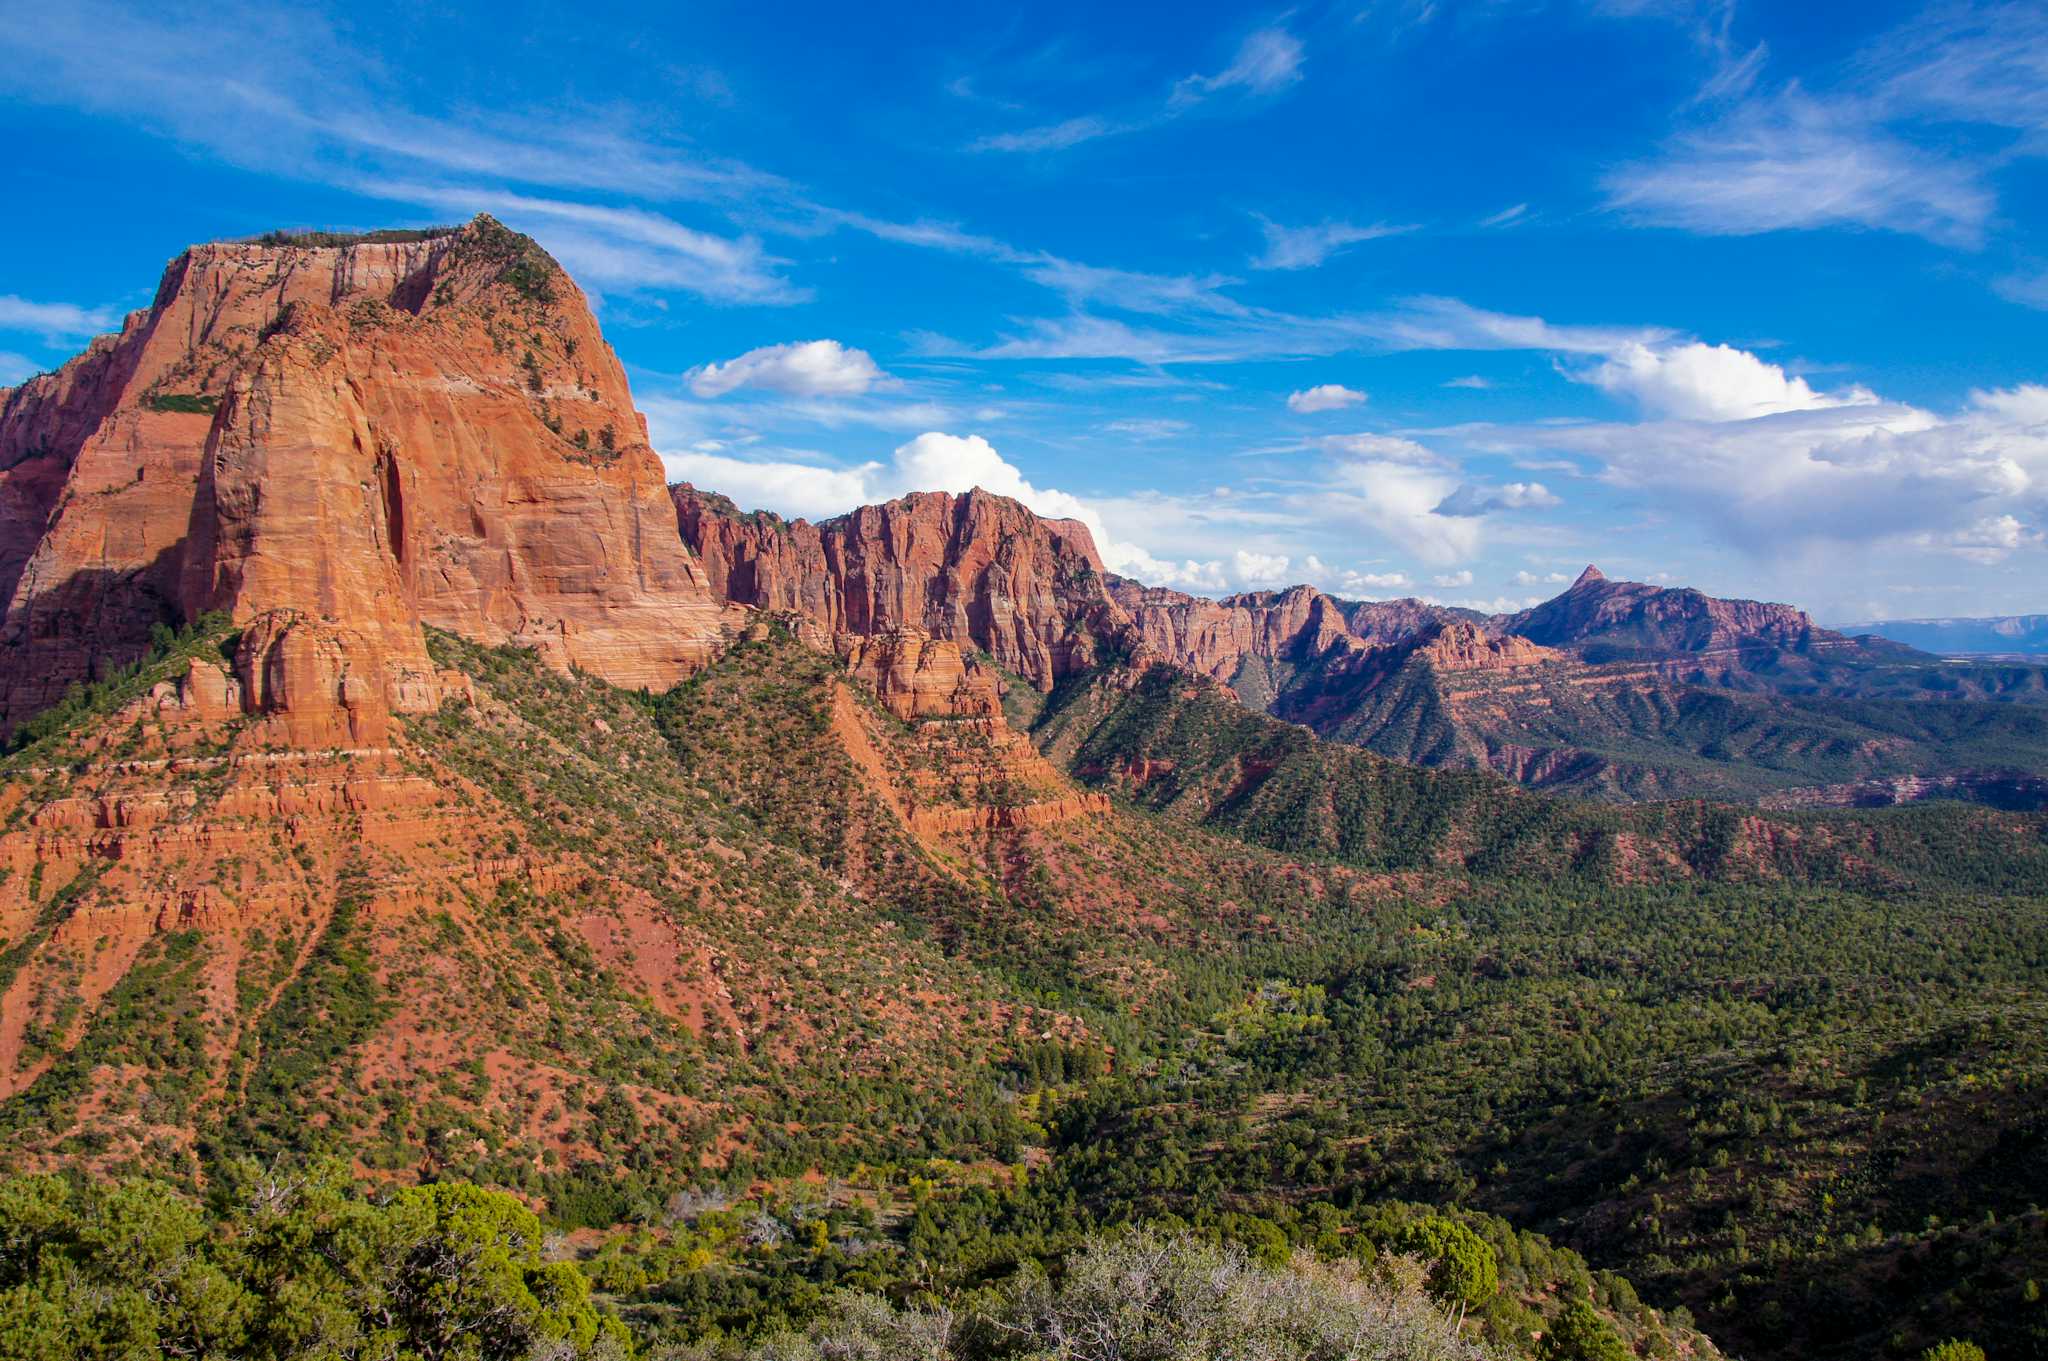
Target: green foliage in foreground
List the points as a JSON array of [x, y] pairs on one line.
[[1139, 1295], [301, 1267]]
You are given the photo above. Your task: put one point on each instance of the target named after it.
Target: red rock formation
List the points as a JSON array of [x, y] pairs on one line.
[[1463, 646], [1215, 636], [976, 569], [364, 437], [916, 676], [1659, 620]]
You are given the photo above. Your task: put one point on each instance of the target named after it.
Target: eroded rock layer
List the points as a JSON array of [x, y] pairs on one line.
[[359, 437]]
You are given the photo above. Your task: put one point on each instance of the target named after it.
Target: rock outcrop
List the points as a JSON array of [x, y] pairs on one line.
[[359, 439], [976, 569], [1660, 621]]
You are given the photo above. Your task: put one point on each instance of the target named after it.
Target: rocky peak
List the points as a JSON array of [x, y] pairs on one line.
[[1647, 620], [364, 433]]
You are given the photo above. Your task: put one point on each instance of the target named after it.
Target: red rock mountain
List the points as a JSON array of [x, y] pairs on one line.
[[976, 569], [984, 571], [336, 444], [1656, 619]]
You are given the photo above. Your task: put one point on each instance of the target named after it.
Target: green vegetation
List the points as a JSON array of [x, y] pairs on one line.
[[192, 403], [288, 1266], [209, 636], [1558, 1077], [311, 238], [522, 265]]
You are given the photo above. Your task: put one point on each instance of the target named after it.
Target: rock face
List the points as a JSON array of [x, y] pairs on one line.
[[356, 439], [916, 676], [985, 571], [976, 569], [1458, 645], [1655, 620]]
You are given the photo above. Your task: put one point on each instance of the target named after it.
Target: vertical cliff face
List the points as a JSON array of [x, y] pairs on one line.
[[358, 439], [974, 569]]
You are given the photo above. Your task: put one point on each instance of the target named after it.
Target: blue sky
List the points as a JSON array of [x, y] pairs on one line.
[[1395, 297]]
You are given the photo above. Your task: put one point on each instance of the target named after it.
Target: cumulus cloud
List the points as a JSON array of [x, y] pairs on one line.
[[1474, 500], [1261, 569], [1307, 247], [1453, 579], [1527, 578], [811, 368], [1323, 397], [1865, 472], [1470, 380], [1697, 382], [1398, 501], [933, 461]]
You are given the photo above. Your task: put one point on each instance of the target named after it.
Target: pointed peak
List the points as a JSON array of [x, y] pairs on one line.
[[1589, 576]]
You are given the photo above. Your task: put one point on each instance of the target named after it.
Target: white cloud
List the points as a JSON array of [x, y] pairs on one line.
[[1307, 247], [1453, 579], [1470, 380], [1526, 578], [1391, 448], [628, 248], [1506, 217], [1051, 137], [1991, 539], [1147, 428], [2028, 290], [796, 489], [1323, 397], [1868, 472], [15, 367], [1267, 60], [1398, 501], [933, 461], [55, 321], [811, 368], [1709, 383], [1797, 161], [1260, 569], [1471, 500]]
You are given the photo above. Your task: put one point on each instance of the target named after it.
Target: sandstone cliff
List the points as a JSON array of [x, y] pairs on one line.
[[976, 569], [346, 441]]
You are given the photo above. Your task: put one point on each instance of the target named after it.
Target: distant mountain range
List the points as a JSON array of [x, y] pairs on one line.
[[2023, 635], [1617, 690]]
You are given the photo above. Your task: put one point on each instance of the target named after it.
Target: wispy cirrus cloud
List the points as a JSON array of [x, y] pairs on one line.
[[1875, 145], [291, 96], [55, 321], [1267, 61], [1794, 161], [1308, 247]]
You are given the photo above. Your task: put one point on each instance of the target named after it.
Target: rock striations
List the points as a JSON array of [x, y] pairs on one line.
[[336, 444], [976, 569]]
